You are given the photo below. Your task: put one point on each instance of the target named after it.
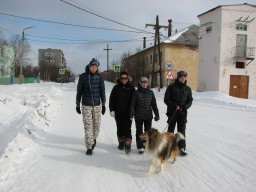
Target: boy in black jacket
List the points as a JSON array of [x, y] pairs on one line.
[[143, 101]]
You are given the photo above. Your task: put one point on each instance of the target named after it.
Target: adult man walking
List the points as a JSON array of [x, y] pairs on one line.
[[178, 98], [91, 89]]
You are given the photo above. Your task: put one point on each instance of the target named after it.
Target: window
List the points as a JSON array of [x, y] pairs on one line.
[[241, 27], [151, 59], [209, 29], [240, 65]]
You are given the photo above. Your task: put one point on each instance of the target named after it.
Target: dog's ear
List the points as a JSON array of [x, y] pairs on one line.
[[154, 132]]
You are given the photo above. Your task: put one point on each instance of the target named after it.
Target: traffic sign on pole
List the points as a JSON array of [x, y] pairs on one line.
[[169, 75]]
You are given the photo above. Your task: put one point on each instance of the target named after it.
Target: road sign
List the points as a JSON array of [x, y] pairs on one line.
[[62, 71], [116, 68], [168, 65], [169, 75]]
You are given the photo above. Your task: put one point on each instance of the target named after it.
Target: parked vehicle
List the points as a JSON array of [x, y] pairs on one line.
[[65, 79]]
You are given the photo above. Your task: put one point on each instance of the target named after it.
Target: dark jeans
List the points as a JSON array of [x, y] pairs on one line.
[[123, 124], [139, 130], [181, 121]]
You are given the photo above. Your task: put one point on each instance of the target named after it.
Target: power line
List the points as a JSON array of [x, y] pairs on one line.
[[73, 25], [104, 17], [84, 40]]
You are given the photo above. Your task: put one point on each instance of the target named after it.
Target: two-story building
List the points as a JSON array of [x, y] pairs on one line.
[[181, 50], [227, 50]]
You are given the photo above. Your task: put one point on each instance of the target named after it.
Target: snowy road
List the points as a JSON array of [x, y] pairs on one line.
[[47, 151]]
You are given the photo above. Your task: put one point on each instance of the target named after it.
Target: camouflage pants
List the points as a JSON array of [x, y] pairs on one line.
[[91, 120]]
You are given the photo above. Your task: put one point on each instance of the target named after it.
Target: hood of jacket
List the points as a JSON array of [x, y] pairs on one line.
[[118, 80]]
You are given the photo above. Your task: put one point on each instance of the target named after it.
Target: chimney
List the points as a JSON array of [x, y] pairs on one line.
[[144, 42], [170, 28]]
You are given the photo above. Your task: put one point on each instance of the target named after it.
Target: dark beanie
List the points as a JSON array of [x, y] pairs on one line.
[[123, 73], [94, 62]]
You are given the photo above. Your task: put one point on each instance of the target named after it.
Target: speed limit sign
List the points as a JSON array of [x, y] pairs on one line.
[[169, 65]]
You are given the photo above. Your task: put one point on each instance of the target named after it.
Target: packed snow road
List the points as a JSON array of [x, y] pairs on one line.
[[42, 145]]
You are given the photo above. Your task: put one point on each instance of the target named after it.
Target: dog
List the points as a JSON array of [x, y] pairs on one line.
[[160, 147]]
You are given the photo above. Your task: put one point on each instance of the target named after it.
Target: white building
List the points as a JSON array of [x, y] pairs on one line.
[[227, 50]]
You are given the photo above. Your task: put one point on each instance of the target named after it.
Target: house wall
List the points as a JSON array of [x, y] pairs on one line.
[[184, 59], [209, 51], [228, 47], [217, 50], [6, 60]]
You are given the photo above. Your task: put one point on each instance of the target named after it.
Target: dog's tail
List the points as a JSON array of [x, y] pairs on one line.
[[178, 136]]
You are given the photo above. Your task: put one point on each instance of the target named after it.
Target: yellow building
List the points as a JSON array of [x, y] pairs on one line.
[[180, 49]]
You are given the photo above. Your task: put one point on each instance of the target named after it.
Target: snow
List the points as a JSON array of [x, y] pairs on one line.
[[175, 37], [42, 145]]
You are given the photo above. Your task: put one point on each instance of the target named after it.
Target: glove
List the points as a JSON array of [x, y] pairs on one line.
[[156, 118], [112, 113], [103, 110], [78, 110]]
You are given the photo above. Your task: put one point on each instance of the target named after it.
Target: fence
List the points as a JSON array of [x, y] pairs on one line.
[[9, 81]]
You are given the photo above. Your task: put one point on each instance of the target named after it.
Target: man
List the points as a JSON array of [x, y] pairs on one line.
[[91, 89], [119, 103], [142, 104], [178, 98]]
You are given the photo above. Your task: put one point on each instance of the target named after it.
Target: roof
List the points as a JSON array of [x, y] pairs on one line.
[[225, 6], [187, 36]]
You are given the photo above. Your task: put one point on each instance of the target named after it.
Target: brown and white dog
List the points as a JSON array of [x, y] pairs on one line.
[[160, 147]]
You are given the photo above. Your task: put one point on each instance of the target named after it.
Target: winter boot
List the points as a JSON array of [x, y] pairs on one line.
[[121, 141], [127, 146], [89, 152], [94, 144], [141, 150], [182, 153]]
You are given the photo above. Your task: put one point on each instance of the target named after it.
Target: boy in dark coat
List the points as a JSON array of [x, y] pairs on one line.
[[142, 104], [91, 89], [178, 98], [119, 103]]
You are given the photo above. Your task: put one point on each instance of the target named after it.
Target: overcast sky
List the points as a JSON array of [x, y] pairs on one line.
[[120, 21]]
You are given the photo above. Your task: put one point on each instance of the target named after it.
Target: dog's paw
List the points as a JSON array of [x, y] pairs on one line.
[[147, 174]]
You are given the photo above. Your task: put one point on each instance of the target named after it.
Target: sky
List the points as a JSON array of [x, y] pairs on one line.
[[42, 145], [89, 26]]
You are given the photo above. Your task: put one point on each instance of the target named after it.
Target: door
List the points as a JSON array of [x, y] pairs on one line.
[[239, 86], [241, 43]]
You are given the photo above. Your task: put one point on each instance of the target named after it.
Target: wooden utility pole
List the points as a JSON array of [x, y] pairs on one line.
[[107, 58], [157, 27]]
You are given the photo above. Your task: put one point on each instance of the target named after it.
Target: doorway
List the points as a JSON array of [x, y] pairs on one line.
[[239, 86]]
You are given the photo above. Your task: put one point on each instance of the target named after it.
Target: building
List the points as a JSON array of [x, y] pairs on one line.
[[7, 53], [181, 50], [50, 61], [227, 50]]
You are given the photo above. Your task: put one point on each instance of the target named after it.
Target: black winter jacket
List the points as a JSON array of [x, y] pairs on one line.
[[120, 97], [91, 89], [178, 94], [143, 101]]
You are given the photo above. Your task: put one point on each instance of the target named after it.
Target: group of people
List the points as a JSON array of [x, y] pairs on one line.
[[126, 103]]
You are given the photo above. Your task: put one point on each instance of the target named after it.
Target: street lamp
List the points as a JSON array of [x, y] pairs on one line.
[[22, 51]]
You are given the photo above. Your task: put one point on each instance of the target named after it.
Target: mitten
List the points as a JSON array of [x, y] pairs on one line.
[[78, 110], [103, 110], [112, 113], [157, 118]]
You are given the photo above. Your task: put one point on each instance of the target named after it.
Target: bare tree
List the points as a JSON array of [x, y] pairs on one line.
[[16, 42]]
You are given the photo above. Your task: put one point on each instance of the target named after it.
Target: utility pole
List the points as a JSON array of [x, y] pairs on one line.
[[107, 58], [157, 27], [22, 52]]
